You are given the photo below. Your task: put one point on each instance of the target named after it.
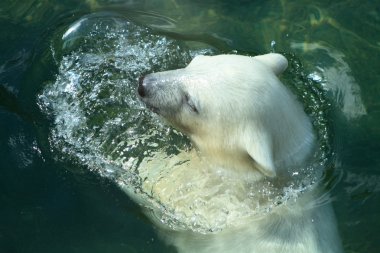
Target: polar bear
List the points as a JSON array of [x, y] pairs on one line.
[[247, 128]]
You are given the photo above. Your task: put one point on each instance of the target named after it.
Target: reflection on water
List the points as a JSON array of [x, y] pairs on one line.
[[338, 44], [335, 75]]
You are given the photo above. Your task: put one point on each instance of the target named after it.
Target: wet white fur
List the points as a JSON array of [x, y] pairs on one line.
[[241, 118]]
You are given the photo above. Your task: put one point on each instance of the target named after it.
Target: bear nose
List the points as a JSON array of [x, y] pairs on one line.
[[141, 88]]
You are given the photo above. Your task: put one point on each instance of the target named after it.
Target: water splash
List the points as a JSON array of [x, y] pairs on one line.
[[98, 119], [272, 46], [99, 122]]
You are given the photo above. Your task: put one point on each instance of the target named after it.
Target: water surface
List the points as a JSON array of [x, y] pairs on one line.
[[53, 199]]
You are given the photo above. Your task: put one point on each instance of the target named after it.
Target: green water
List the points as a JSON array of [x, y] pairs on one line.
[[53, 199]]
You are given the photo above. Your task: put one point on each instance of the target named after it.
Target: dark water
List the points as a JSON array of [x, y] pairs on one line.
[[52, 200]]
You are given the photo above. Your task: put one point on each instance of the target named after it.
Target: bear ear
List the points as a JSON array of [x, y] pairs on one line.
[[277, 62], [197, 59], [260, 149]]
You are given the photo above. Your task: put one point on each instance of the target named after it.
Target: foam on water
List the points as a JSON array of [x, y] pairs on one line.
[[99, 122]]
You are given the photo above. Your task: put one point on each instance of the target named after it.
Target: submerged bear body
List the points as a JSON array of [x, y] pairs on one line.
[[250, 134]]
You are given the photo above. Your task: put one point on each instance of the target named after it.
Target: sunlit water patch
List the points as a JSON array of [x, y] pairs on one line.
[[99, 123]]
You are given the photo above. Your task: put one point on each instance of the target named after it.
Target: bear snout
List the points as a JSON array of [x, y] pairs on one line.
[[141, 89], [147, 86]]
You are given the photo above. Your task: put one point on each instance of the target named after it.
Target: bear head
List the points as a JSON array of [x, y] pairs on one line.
[[235, 110]]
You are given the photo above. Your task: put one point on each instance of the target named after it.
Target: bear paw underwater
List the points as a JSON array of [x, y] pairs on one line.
[[246, 127]]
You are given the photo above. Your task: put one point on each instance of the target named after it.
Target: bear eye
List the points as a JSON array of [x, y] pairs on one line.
[[191, 104]]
